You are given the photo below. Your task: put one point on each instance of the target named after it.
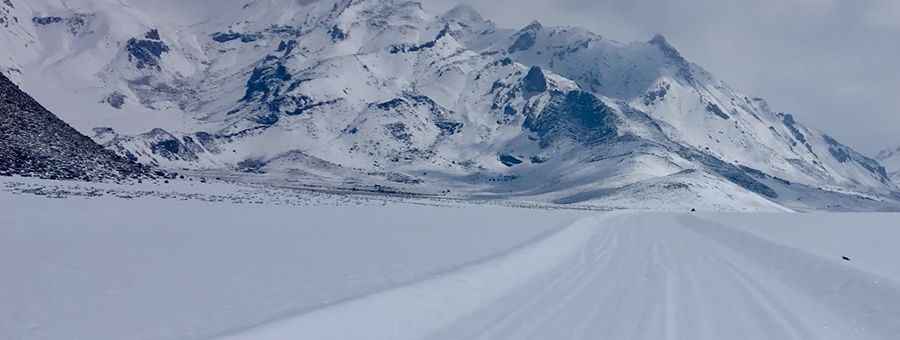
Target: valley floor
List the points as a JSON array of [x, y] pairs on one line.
[[212, 261]]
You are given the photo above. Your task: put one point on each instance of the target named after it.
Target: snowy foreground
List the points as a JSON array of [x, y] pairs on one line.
[[156, 263]]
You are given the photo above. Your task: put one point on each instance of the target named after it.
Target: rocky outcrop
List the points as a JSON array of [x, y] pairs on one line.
[[34, 142]]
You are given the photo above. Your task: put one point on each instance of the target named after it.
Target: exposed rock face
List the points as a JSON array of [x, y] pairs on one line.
[[525, 39], [34, 142], [146, 53], [535, 81], [577, 116]]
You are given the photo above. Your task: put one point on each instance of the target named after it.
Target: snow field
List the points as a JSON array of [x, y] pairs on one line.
[[182, 266]]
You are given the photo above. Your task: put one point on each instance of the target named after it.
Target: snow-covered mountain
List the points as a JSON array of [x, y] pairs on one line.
[[34, 142], [384, 92]]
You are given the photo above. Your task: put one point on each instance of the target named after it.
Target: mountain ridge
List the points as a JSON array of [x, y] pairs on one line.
[[371, 91]]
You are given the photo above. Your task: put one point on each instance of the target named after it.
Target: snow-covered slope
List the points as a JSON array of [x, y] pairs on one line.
[[891, 160], [383, 92], [692, 107]]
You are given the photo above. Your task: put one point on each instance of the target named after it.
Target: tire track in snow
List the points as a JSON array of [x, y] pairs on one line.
[[650, 276], [413, 311], [864, 304]]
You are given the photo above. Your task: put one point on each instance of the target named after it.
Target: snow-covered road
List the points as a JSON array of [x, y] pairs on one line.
[[151, 268], [648, 276]]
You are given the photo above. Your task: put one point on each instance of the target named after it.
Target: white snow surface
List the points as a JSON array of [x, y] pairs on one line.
[[637, 276], [189, 268], [214, 261]]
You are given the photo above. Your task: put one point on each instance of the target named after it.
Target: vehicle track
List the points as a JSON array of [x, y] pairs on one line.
[[625, 276]]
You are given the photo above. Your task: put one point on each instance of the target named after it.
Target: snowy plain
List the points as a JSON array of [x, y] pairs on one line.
[[188, 268], [218, 261]]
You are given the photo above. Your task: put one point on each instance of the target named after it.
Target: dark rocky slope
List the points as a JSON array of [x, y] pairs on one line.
[[34, 142]]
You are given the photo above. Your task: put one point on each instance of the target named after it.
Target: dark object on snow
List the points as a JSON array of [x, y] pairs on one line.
[[34, 142], [846, 259], [693, 210], [43, 21], [116, 100], [509, 160]]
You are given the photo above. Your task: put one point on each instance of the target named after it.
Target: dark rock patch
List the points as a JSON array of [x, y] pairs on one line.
[[716, 110], [399, 131], [337, 34], [224, 37], [146, 53], [539, 159], [266, 80], [657, 95], [43, 21], [449, 128], [116, 100], [576, 115], [535, 81], [34, 142], [405, 48], [509, 160]]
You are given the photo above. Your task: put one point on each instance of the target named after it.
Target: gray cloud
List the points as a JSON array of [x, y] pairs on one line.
[[833, 63]]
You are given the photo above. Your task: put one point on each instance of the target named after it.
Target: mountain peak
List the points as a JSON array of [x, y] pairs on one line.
[[463, 13], [659, 39], [663, 44], [526, 38], [534, 26]]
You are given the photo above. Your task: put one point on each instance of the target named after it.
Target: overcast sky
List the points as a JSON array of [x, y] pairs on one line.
[[833, 63]]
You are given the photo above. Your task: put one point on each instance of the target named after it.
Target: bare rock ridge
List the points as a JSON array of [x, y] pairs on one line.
[[34, 142]]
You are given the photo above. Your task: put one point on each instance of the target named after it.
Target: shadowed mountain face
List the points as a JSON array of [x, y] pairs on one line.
[[34, 142]]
